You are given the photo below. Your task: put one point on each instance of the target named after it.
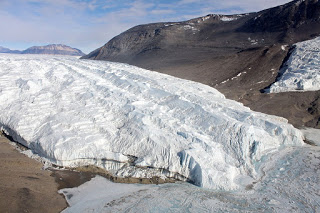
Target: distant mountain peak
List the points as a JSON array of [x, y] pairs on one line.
[[54, 49], [7, 50], [50, 49]]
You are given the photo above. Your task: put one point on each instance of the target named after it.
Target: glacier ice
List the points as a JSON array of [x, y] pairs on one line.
[[134, 122], [301, 71], [291, 184]]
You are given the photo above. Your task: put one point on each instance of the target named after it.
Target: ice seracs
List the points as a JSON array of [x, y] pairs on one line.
[[134, 122], [302, 70]]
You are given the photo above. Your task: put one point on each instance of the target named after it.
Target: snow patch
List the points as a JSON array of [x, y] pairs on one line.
[[260, 82], [205, 18], [253, 41], [225, 81], [202, 19], [241, 73], [233, 78], [283, 47], [189, 27], [228, 18], [224, 18], [167, 25]]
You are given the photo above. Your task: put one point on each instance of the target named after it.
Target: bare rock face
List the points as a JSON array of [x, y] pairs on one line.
[[237, 54], [54, 49], [292, 17]]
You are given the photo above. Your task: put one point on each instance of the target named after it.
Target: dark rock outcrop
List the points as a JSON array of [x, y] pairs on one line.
[[237, 54]]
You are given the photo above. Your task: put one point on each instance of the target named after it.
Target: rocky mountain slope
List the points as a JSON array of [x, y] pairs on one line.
[[240, 55], [53, 49]]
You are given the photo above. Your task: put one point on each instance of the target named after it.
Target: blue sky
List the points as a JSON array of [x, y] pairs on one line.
[[88, 24]]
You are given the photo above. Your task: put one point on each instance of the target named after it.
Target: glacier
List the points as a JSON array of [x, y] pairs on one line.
[[135, 122], [301, 71]]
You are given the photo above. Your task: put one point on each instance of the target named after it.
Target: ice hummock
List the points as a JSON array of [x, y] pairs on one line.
[[134, 122], [301, 72]]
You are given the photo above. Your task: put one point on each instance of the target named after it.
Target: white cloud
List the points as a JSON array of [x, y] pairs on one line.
[[251, 5], [232, 6], [161, 12], [189, 2]]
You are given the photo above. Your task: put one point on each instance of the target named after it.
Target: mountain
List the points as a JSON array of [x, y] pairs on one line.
[[240, 55], [7, 50], [53, 49], [136, 123]]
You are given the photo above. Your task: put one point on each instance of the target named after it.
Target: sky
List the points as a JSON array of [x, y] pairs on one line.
[[89, 24]]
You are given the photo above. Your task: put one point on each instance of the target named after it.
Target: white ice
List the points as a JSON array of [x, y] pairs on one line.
[[302, 70], [291, 184], [312, 135], [93, 195], [134, 122]]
